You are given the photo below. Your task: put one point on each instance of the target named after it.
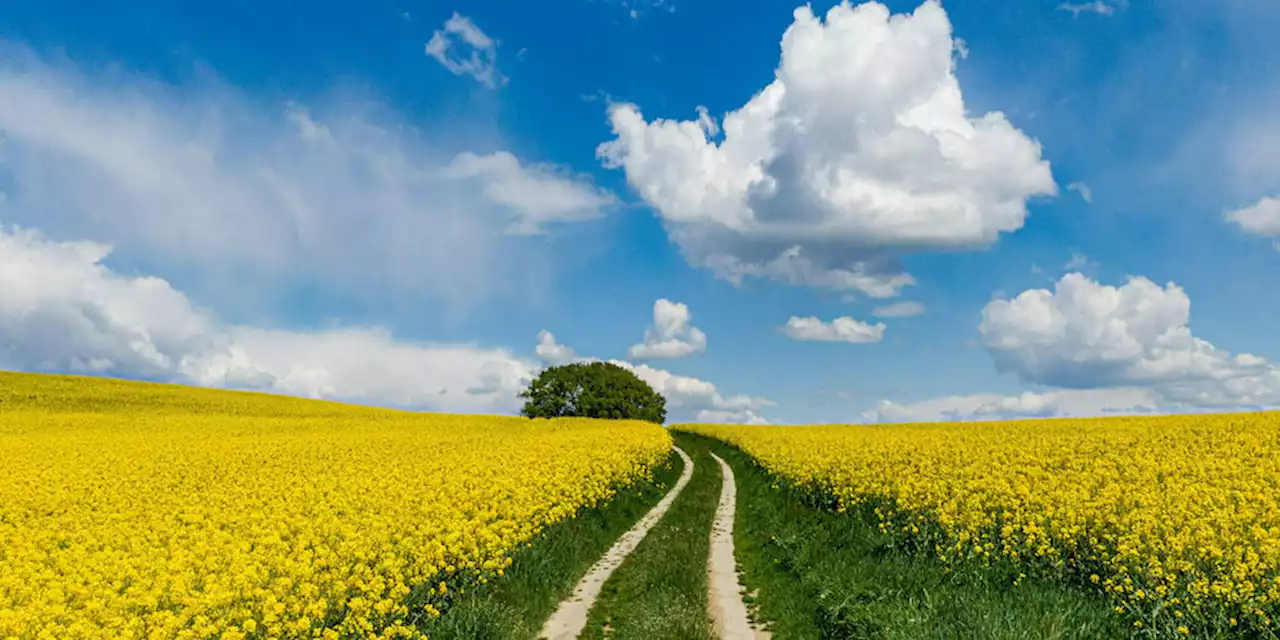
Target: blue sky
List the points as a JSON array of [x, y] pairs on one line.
[[318, 201]]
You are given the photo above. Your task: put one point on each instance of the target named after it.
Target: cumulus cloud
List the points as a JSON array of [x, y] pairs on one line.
[[1260, 219], [671, 335], [1087, 335], [61, 309], [463, 49], [842, 329], [209, 182], [551, 352], [905, 309], [859, 150], [1102, 350], [686, 395]]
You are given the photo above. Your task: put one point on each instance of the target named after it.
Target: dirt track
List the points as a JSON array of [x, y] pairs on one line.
[[571, 616]]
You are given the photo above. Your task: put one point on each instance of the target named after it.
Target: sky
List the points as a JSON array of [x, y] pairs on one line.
[[770, 212]]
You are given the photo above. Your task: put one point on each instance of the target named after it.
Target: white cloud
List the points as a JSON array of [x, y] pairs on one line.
[[369, 365], [904, 309], [842, 329], [1084, 334], [671, 335], [706, 122], [463, 49], [1096, 6], [553, 353], [1079, 262], [746, 416], [1057, 403], [690, 396], [793, 268], [1087, 335], [1259, 219], [1108, 350], [1242, 136], [859, 150], [61, 309], [1083, 189], [212, 184], [539, 193]]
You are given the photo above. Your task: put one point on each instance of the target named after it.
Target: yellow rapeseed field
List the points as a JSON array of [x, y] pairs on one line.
[[1176, 517], [130, 510]]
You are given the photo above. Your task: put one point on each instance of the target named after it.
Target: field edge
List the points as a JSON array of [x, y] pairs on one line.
[[810, 572], [544, 572]]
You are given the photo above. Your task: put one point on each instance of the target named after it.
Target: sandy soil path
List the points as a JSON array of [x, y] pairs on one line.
[[571, 616], [724, 593]]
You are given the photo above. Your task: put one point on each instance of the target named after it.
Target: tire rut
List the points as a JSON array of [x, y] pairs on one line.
[[571, 616]]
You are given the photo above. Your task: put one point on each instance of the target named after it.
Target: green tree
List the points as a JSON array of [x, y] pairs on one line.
[[592, 390]]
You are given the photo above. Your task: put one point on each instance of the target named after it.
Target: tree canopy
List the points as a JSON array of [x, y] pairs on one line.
[[592, 390]]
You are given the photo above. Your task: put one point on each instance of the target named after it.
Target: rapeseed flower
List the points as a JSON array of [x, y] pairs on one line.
[[1176, 518], [138, 510]]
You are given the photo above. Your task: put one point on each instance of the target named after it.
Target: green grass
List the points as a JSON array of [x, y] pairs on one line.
[[815, 574], [660, 591], [540, 576]]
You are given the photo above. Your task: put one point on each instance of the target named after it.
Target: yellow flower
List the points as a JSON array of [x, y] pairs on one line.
[[1165, 512], [141, 510]]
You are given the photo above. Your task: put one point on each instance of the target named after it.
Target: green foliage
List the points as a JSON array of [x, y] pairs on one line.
[[592, 390]]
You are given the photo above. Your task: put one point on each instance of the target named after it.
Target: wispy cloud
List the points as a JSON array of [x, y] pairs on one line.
[[1260, 219], [1083, 189], [904, 309], [638, 8], [539, 193], [1097, 6], [341, 195], [466, 50], [1079, 262]]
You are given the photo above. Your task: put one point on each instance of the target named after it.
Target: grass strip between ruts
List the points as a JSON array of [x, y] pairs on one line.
[[516, 605], [660, 591], [812, 573]]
